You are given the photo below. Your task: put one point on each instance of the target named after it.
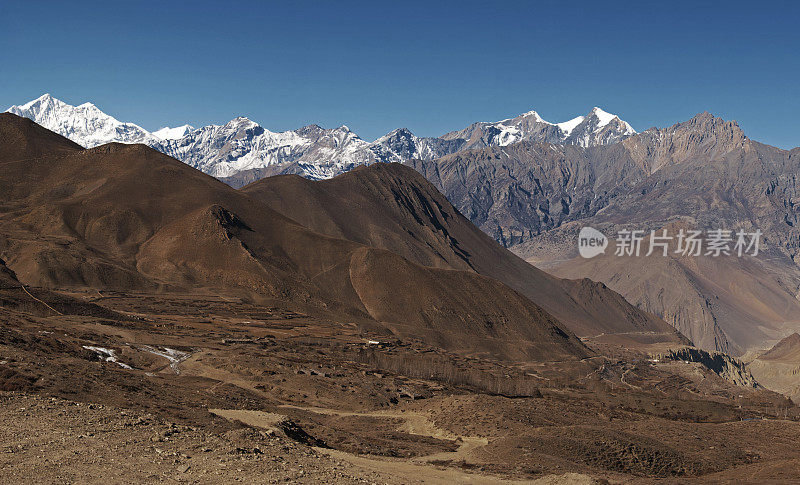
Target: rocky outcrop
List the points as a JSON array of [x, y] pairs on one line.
[[721, 364]]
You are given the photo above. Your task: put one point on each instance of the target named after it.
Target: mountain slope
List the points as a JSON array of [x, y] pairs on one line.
[[700, 174], [128, 217], [393, 207], [516, 192], [703, 174], [788, 350], [725, 304], [24, 139], [779, 367]]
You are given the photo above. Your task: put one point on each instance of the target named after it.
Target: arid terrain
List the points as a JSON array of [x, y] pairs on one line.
[[167, 327], [200, 388]]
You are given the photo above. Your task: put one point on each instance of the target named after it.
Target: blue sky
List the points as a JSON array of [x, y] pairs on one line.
[[429, 66]]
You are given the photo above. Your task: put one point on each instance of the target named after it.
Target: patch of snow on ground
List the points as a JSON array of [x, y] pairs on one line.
[[107, 355], [174, 357]]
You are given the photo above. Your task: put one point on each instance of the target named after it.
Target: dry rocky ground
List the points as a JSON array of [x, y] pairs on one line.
[[218, 390], [51, 440]]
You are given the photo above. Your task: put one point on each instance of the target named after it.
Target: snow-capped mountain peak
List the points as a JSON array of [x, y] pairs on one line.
[[534, 115], [397, 132], [604, 116], [84, 124], [528, 115], [598, 127], [44, 99], [241, 122]]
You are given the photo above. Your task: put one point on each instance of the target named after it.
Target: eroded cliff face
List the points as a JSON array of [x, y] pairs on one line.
[[723, 365]]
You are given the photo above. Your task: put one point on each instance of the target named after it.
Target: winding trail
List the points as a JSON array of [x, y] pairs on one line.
[[411, 470], [415, 423], [40, 301]]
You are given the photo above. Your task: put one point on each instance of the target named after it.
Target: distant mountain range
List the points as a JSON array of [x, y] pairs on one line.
[[241, 150]]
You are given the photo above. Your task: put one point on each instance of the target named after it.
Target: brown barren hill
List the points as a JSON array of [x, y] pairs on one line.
[[787, 350], [23, 139], [778, 368], [393, 207], [127, 217]]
